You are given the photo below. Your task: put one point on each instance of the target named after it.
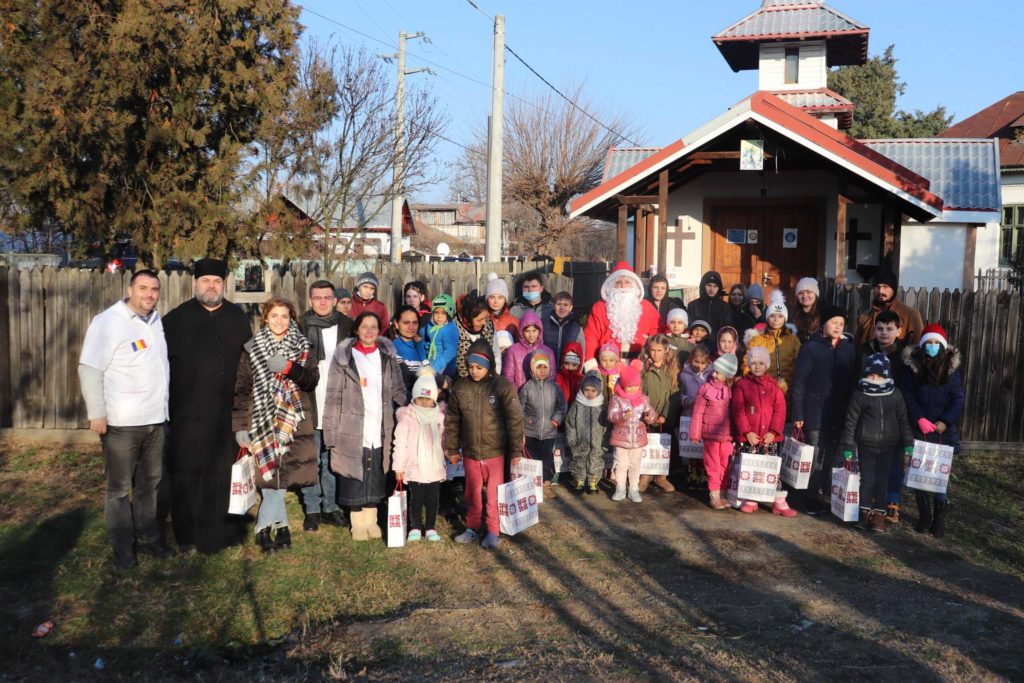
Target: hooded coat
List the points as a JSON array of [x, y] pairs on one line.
[[935, 396], [542, 402], [559, 333], [515, 366], [824, 377], [569, 382], [711, 413], [690, 382], [757, 406], [714, 310]]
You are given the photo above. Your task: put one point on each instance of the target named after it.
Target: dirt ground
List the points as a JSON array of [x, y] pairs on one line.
[[663, 590]]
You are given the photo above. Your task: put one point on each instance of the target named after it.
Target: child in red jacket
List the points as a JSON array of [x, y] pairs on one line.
[[759, 416], [710, 423]]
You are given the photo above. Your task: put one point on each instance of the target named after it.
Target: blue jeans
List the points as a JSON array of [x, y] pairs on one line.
[[323, 495], [272, 512]]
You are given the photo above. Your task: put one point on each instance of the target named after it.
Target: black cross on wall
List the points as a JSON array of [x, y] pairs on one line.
[[852, 237]]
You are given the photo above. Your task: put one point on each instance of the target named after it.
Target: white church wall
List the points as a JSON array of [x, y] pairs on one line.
[[813, 73], [932, 255]]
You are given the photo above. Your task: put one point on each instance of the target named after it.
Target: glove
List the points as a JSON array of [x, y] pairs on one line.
[[277, 363], [925, 425], [242, 439], [847, 456], [908, 451]]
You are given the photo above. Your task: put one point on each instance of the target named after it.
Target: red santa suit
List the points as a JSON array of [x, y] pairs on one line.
[[599, 329]]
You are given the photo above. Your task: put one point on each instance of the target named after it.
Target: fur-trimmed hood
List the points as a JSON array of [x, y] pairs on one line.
[[912, 357]]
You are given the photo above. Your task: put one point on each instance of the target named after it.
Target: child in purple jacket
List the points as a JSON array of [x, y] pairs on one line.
[[710, 423], [515, 364]]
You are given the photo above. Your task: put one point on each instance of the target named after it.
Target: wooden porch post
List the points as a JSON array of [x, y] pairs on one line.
[[841, 240], [640, 240], [649, 239], [663, 221], [620, 235], [970, 248]]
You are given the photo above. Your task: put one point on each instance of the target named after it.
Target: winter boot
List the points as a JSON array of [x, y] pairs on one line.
[[549, 491], [662, 482], [876, 522], [645, 481], [939, 519], [265, 542], [283, 538], [634, 495], [716, 501], [370, 520], [592, 488], [578, 486], [620, 490], [749, 507], [359, 530], [892, 513], [781, 507], [924, 513]]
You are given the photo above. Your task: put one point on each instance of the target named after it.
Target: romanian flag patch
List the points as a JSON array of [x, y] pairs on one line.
[[138, 345]]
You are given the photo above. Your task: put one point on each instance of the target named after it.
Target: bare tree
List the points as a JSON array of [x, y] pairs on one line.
[[345, 176], [553, 151]]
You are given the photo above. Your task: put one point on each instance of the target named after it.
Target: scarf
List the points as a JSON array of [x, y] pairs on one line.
[[466, 338], [276, 401], [429, 456], [315, 325], [883, 388], [595, 402], [572, 380], [432, 330], [635, 398]]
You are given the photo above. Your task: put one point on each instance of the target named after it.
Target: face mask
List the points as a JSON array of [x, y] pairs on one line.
[[932, 350], [531, 296]]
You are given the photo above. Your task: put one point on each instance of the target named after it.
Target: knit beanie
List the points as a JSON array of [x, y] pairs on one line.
[[496, 285], [778, 305], [830, 312], [367, 279], [808, 284], [592, 379], [342, 293], [701, 323], [608, 348], [758, 353], [886, 277], [571, 357], [933, 332], [446, 302], [504, 339], [727, 365], [629, 377], [878, 364], [678, 314], [755, 291], [425, 387], [538, 358]]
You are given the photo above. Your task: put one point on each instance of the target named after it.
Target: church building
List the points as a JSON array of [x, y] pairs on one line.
[[773, 189]]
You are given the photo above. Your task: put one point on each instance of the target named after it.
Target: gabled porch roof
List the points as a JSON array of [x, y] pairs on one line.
[[911, 190]]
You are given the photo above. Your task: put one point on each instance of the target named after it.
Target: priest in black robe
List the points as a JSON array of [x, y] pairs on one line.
[[204, 342]]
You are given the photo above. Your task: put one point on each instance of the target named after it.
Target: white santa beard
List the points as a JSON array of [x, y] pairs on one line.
[[624, 315]]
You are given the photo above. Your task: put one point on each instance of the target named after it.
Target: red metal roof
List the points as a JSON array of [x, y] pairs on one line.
[[996, 121], [804, 126]]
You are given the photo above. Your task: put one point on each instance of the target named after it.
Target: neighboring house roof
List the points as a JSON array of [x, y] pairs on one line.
[[996, 121], [369, 216], [784, 20], [623, 158], [820, 101], [769, 110], [465, 212]]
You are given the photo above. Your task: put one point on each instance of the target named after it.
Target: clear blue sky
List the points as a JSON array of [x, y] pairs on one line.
[[655, 62]]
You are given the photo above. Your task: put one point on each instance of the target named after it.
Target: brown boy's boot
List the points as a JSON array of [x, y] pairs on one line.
[[662, 482], [645, 481]]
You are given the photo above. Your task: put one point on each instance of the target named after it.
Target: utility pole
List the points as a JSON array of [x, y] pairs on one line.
[[495, 145], [398, 175]]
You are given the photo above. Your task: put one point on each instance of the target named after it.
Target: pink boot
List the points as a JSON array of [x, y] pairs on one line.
[[781, 507], [749, 506]]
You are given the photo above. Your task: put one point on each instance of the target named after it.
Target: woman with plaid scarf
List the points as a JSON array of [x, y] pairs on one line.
[[273, 415]]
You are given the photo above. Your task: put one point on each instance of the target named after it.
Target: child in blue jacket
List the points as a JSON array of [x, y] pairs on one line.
[[441, 335]]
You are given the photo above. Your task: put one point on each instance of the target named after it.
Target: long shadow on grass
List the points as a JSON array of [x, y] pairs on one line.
[[29, 559]]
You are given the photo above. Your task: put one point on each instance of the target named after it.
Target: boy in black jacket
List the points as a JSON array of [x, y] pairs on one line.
[[877, 425]]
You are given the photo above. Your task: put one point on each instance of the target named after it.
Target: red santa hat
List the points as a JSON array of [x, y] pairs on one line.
[[622, 270], [933, 332]]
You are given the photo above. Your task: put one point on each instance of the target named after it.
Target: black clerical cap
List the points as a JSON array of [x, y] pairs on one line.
[[210, 266]]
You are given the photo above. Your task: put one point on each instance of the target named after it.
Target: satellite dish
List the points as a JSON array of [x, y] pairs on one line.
[[443, 249]]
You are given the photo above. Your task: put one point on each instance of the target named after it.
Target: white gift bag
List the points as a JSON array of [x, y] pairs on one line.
[[517, 505], [797, 463], [243, 484], [929, 467], [528, 467], [755, 477], [398, 519], [688, 449], [657, 455], [845, 494], [561, 452]]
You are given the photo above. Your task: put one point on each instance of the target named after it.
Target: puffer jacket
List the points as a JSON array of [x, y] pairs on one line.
[[585, 428], [375, 306], [515, 366], [711, 413], [629, 430], [928, 397], [446, 346], [558, 332], [783, 349], [407, 439], [690, 382], [757, 406], [877, 422], [570, 383], [507, 322], [343, 408], [825, 376], [298, 467], [483, 419], [542, 402]]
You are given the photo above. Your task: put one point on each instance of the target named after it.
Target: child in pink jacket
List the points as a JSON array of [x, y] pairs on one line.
[[710, 423], [418, 457], [629, 413]]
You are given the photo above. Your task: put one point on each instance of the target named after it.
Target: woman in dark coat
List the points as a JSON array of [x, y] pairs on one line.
[[274, 415], [929, 377], [364, 386]]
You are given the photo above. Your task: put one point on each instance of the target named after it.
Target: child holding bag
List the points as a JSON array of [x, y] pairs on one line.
[[710, 423], [585, 427], [629, 412], [418, 458], [661, 385]]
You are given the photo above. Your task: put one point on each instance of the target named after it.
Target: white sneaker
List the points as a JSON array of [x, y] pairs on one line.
[[634, 495], [620, 494]]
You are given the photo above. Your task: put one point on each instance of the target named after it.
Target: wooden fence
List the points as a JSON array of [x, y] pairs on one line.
[[44, 313]]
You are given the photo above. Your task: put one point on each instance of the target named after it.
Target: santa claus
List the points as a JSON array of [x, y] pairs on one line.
[[622, 317]]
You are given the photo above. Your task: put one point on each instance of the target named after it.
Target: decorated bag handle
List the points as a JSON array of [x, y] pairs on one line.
[[398, 486], [242, 450], [526, 453], [798, 434]]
